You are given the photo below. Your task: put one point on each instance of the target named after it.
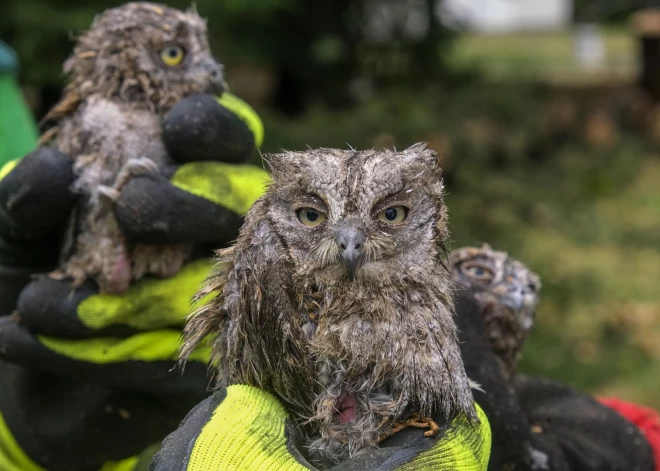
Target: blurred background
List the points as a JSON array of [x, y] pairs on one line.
[[545, 113]]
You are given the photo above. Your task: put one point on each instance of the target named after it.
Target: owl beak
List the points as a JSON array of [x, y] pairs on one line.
[[514, 299], [351, 249], [217, 77]]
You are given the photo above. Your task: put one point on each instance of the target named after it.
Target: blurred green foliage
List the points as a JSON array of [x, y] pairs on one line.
[[314, 49]]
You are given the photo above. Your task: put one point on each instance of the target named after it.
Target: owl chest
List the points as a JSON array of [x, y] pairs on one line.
[[110, 134]]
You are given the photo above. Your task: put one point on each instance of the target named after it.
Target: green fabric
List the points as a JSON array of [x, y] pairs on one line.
[[18, 131], [246, 114], [247, 432], [464, 447], [154, 345], [148, 304], [236, 187]]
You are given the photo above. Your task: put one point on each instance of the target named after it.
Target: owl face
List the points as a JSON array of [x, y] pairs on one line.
[[145, 50], [498, 282], [347, 216]]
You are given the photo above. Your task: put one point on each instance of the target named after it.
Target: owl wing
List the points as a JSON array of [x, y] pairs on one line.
[[254, 315]]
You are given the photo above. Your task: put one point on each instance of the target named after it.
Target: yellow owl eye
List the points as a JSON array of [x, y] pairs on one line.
[[310, 217], [477, 271], [172, 55], [393, 215]]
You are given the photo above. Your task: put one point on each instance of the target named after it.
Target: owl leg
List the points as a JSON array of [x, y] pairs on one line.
[[415, 421]]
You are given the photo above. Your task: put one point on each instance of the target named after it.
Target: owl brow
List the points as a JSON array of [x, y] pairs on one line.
[[480, 262], [310, 200], [400, 198]]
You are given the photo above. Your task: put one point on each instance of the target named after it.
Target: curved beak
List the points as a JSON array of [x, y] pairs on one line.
[[350, 241], [214, 70], [514, 298]]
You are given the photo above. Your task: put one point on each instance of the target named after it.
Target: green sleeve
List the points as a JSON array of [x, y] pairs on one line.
[[18, 131], [245, 428]]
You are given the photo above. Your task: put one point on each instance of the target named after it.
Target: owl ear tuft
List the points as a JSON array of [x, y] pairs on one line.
[[284, 163]]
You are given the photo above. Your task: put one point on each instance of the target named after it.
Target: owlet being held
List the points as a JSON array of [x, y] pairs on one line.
[[126, 71], [335, 298]]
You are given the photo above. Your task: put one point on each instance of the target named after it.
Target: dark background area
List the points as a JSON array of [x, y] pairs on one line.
[[556, 162]]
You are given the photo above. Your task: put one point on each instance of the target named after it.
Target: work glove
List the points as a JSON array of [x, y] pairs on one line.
[[539, 424], [579, 432], [88, 380], [245, 428], [513, 446]]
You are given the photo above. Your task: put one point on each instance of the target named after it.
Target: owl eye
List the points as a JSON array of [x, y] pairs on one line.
[[310, 217], [477, 271], [172, 55], [393, 215]]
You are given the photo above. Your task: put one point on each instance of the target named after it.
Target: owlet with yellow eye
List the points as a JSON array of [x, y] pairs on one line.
[[125, 73], [335, 298]]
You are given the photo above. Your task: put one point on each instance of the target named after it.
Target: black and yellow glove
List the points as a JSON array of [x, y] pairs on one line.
[[245, 428], [87, 381]]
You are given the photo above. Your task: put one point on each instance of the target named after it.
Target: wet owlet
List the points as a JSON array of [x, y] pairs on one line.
[[126, 71], [336, 299], [507, 294]]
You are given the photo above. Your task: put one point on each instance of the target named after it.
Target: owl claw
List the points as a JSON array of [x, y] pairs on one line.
[[141, 165], [108, 193], [133, 168], [415, 421]]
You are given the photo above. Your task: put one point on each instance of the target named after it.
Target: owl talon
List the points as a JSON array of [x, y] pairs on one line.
[[415, 421], [133, 168], [108, 193]]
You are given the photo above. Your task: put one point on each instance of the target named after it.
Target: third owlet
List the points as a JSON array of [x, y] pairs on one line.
[[507, 293]]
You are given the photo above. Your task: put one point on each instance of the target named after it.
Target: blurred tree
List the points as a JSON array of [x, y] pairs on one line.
[[314, 50]]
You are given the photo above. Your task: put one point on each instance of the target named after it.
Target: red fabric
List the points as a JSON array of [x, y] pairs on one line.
[[647, 420]]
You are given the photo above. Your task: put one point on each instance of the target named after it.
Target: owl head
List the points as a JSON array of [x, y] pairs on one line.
[[144, 53], [500, 283], [348, 216]]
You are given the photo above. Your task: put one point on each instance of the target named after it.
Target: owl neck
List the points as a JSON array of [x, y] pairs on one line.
[[505, 338]]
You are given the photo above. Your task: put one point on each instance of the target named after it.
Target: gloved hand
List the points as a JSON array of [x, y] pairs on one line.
[[88, 378], [579, 432], [36, 200], [514, 445], [245, 428]]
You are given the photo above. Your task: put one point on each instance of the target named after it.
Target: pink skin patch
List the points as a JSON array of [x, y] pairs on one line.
[[346, 405], [119, 277]]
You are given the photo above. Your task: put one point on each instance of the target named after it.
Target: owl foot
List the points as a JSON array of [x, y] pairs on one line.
[[133, 168], [108, 193], [416, 421]]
